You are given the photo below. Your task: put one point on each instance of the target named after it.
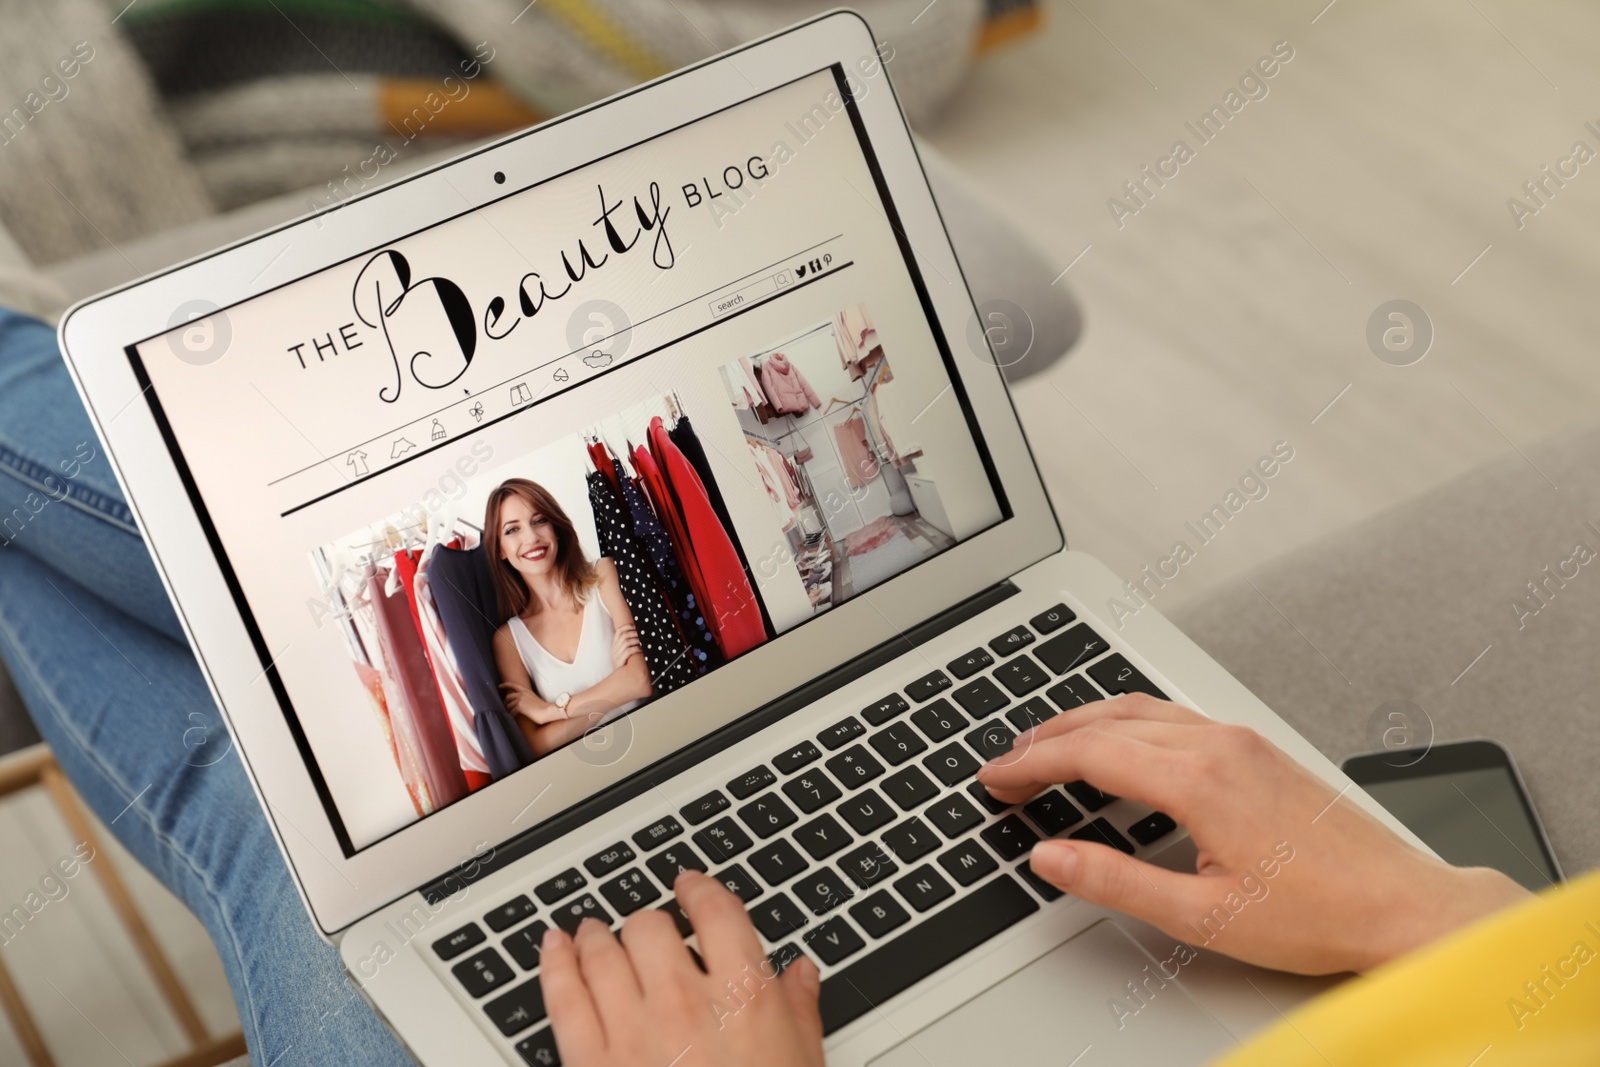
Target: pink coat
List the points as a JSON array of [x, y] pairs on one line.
[[786, 387]]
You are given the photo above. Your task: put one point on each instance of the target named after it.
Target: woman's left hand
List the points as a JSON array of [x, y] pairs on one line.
[[625, 645], [520, 700]]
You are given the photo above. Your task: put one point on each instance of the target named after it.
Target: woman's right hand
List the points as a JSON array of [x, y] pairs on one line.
[[625, 645], [1290, 874], [521, 700]]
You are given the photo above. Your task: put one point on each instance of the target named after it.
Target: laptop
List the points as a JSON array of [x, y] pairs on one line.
[[698, 360]]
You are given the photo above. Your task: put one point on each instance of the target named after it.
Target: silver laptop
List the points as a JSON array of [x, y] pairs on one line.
[[716, 325]]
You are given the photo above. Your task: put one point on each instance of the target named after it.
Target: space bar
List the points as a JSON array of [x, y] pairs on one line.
[[919, 952]]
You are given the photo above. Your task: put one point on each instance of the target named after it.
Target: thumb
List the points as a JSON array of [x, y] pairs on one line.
[[1102, 875], [801, 985]]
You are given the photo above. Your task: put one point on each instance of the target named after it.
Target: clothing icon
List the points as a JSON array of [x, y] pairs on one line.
[[520, 394], [561, 374], [597, 358], [401, 447], [476, 411], [357, 461], [437, 433]]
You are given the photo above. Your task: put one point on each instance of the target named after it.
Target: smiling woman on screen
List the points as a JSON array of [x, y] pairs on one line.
[[568, 654]]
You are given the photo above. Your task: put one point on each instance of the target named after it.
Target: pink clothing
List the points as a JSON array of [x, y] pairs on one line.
[[786, 387], [860, 465], [857, 339]]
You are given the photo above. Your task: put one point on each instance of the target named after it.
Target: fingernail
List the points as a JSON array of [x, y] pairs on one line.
[[810, 977], [554, 937], [984, 773], [686, 873], [1060, 860]]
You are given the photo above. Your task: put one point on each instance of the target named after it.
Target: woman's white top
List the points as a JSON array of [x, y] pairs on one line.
[[590, 665]]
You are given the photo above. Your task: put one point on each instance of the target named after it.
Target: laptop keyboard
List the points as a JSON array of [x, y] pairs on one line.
[[871, 848]]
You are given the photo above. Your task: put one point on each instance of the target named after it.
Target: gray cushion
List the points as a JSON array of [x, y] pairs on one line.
[[1402, 604]]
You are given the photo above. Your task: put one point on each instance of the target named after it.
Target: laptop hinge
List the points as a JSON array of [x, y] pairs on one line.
[[698, 752]]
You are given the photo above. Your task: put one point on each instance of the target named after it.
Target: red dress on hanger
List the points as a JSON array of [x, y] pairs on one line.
[[729, 603]]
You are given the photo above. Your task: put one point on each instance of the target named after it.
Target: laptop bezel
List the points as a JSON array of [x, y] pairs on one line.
[[339, 890]]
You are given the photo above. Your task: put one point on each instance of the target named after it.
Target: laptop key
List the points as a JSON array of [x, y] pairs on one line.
[[981, 697], [1052, 812], [939, 720], [783, 955], [751, 782], [1116, 676], [882, 711], [722, 840], [454, 944], [897, 743], [799, 756], [1087, 795], [777, 862], [867, 811], [834, 941], [739, 883], [986, 800], [1010, 838], [1103, 832], [1034, 711], [909, 788], [1072, 649], [1152, 828], [1021, 675], [524, 945], [1039, 885], [573, 912], [811, 790], [658, 833], [540, 1049], [483, 972], [509, 914], [841, 733], [517, 1010], [1073, 692], [911, 840], [867, 864], [855, 767], [1052, 619], [928, 686], [964, 667], [767, 814], [951, 764], [1013, 640], [777, 917], [822, 890], [672, 861], [880, 914], [822, 836], [954, 815], [903, 962], [567, 882], [924, 887], [698, 811], [630, 891], [991, 740], [968, 862], [604, 863]]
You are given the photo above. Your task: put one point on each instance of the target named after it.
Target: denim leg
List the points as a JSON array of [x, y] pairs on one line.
[[132, 723], [59, 501]]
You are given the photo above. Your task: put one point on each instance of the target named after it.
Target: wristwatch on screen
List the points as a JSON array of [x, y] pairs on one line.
[[562, 701]]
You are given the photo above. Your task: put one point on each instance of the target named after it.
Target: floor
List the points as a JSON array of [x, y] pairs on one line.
[[863, 570], [1226, 314], [1229, 312]]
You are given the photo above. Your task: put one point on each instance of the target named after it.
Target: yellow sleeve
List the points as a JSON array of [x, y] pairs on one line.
[[1520, 989]]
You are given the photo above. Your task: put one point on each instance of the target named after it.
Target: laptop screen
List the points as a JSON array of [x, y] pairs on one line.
[[495, 483]]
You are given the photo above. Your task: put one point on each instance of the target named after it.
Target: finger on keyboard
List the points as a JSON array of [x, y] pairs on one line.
[[1110, 755], [727, 939]]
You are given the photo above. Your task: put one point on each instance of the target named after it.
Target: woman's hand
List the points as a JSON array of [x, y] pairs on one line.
[[642, 1002], [521, 700], [1291, 875], [625, 645]]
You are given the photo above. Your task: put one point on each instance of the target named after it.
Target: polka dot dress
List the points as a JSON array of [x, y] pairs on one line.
[[666, 654]]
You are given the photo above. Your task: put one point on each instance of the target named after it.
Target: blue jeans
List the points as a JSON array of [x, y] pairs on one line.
[[93, 645]]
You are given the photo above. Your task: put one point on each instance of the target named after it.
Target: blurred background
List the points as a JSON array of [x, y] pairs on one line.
[[1227, 302]]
